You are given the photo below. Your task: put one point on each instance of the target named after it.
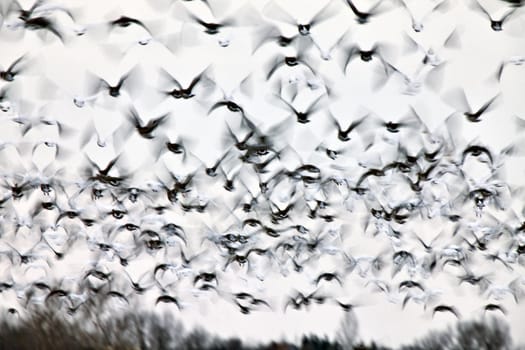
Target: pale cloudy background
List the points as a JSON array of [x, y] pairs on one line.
[[59, 70]]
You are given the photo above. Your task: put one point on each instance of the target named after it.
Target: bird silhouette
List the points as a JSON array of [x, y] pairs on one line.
[[129, 78], [494, 307], [446, 308], [418, 23], [125, 22], [343, 134], [13, 70], [458, 100], [495, 24], [303, 117], [328, 276], [274, 11], [168, 299], [287, 61], [179, 92], [146, 130], [364, 17]]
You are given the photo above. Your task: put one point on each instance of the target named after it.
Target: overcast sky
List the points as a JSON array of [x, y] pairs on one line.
[[58, 74]]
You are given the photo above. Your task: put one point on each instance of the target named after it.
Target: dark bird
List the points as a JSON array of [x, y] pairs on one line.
[[241, 260], [175, 147], [243, 296], [514, 3], [188, 261], [162, 268], [252, 222], [400, 259], [272, 34], [179, 186], [179, 91], [259, 251], [243, 309], [138, 286], [496, 257], [214, 27], [23, 258], [133, 193], [428, 246], [273, 11], [246, 302], [310, 168], [146, 130], [229, 101], [303, 117], [363, 17], [446, 308], [229, 180], [103, 176], [24, 14], [69, 214], [417, 23], [494, 307], [408, 121], [6, 94], [6, 286], [117, 295], [300, 300], [370, 172], [245, 15], [42, 23], [56, 293], [73, 309], [206, 277], [229, 104], [479, 243], [515, 60], [100, 275], [125, 22], [257, 301], [211, 171], [12, 311], [458, 100], [288, 61], [173, 229], [403, 167], [366, 55], [482, 281], [328, 276], [343, 134], [115, 90], [476, 151], [411, 284], [495, 24], [167, 299], [346, 307], [240, 144], [18, 190], [13, 70], [38, 7], [279, 214], [331, 153], [58, 255]]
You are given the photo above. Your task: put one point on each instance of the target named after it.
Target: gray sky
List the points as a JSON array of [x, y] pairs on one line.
[[58, 75]]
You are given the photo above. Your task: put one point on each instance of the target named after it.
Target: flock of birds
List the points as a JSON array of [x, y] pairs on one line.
[[293, 190]]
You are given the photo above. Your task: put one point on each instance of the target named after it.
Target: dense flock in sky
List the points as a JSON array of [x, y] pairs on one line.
[[274, 159]]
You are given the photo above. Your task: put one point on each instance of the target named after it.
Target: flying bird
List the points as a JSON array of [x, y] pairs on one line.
[[495, 24], [446, 308]]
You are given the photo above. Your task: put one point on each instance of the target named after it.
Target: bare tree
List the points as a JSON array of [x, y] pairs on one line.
[[348, 332]]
